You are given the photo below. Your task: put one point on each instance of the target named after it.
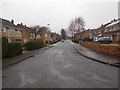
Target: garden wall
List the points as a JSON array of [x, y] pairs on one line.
[[114, 50]]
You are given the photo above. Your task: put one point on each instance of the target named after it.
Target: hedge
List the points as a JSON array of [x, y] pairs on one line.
[[14, 49], [10, 49], [87, 39], [34, 45], [4, 46], [43, 42]]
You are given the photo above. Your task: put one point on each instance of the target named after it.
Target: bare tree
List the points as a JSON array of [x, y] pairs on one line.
[[38, 30], [79, 24], [35, 31], [76, 25], [71, 27], [43, 30]]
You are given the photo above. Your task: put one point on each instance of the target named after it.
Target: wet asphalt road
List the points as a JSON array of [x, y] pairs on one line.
[[60, 67]]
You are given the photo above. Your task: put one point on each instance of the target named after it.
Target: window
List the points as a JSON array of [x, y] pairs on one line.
[[18, 31], [3, 29], [12, 30]]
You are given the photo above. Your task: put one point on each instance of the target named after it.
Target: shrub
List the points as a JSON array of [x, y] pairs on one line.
[[14, 49], [34, 45], [75, 40], [88, 39], [29, 46], [4, 46], [43, 42]]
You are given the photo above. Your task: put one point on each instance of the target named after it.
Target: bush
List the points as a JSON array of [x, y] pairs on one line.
[[43, 42], [4, 46], [35, 45], [75, 40], [88, 39], [29, 46], [14, 49]]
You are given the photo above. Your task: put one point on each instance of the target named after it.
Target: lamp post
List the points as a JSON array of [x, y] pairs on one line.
[[48, 37]]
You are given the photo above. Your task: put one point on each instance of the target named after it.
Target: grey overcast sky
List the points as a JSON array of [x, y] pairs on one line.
[[59, 13]]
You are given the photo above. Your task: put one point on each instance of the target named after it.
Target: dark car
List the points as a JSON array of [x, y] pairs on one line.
[[105, 40]]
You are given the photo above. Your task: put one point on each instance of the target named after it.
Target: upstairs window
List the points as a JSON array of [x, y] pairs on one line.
[[3, 29], [12, 31]]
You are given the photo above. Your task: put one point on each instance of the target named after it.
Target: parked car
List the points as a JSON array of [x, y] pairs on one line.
[[96, 40], [104, 40], [62, 40]]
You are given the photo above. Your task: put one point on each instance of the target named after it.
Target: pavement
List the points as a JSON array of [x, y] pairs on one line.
[[60, 66], [26, 54], [97, 56]]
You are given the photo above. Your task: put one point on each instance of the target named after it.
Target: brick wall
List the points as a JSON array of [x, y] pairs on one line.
[[114, 50]]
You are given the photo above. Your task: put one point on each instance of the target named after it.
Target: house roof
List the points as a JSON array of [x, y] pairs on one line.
[[7, 23], [23, 27], [114, 22]]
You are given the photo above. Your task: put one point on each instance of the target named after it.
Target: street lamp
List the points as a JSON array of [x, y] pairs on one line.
[[48, 34]]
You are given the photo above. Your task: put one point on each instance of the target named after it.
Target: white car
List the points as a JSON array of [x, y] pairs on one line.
[[62, 40]]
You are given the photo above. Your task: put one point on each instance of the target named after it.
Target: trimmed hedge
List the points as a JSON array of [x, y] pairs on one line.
[[34, 45], [4, 46], [87, 39], [10, 49], [14, 49]]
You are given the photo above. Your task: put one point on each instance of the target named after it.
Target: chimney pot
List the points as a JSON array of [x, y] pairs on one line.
[[12, 21]]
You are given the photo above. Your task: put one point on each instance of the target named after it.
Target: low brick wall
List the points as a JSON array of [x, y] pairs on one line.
[[114, 50]]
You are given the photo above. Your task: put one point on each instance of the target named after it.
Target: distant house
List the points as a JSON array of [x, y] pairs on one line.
[[45, 35], [9, 30], [110, 29], [25, 32], [53, 36], [113, 30], [85, 34]]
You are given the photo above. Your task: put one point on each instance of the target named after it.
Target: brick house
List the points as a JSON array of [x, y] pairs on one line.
[[9, 30], [45, 35], [110, 29], [25, 32], [85, 34], [113, 30], [98, 32], [53, 36]]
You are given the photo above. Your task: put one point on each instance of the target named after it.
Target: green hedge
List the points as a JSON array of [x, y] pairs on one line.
[[43, 42], [10, 49], [87, 39], [4, 46], [34, 45], [14, 49]]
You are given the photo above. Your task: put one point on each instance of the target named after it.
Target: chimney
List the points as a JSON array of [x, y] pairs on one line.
[[12, 21], [21, 24]]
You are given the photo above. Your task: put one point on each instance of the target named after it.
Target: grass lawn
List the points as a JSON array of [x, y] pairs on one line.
[[111, 44]]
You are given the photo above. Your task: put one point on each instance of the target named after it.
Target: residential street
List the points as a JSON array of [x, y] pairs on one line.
[[60, 67]]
